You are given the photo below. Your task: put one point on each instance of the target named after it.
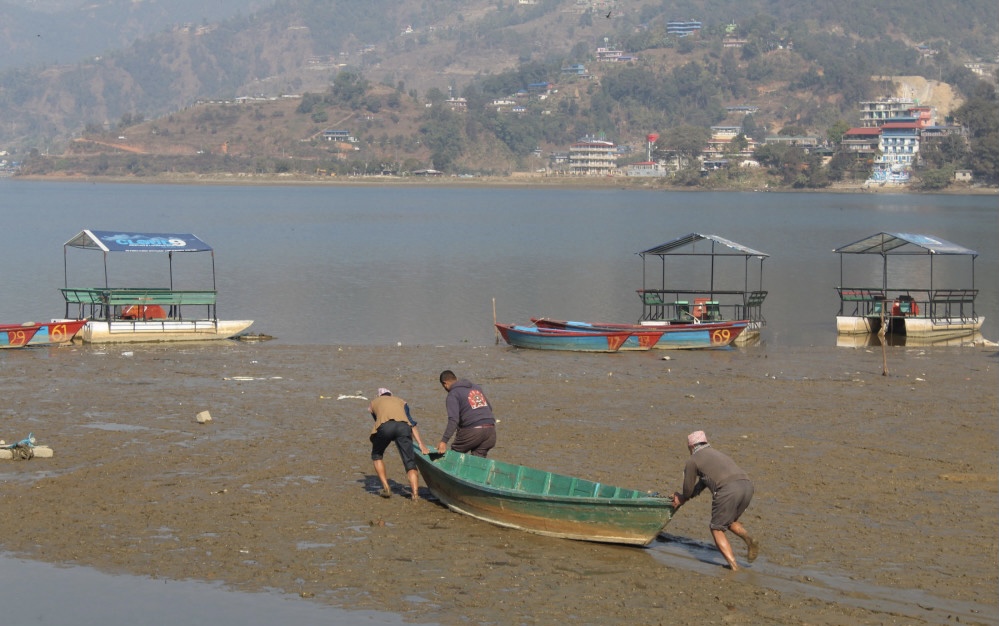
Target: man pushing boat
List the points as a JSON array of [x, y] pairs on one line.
[[394, 423], [469, 417], [731, 492]]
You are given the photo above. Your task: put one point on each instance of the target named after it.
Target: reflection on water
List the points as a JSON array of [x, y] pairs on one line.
[[874, 341], [40, 593], [423, 265]]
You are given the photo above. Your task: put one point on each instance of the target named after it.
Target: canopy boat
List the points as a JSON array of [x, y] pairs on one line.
[[136, 314], [543, 502], [56, 331], [712, 298], [683, 336], [923, 311], [16, 335], [577, 341]]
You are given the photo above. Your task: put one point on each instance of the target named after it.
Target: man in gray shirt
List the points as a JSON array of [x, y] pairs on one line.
[[731, 492]]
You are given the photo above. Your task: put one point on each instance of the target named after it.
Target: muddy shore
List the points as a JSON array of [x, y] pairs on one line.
[[876, 496]]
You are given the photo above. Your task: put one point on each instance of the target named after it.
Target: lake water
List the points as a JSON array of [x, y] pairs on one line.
[[422, 265]]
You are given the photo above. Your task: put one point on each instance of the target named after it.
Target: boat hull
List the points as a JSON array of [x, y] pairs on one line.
[[139, 331], [57, 332], [674, 336], [552, 339], [931, 329], [16, 335], [543, 503]]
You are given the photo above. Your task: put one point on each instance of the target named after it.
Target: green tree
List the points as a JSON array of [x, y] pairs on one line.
[[441, 132], [980, 114], [688, 141], [935, 179], [835, 132]]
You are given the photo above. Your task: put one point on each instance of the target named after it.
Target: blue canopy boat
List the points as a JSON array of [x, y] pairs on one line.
[[134, 314]]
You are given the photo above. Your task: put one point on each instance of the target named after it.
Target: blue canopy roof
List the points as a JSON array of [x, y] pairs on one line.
[[128, 241], [903, 243], [671, 247]]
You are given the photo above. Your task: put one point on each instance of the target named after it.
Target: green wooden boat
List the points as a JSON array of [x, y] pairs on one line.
[[543, 502]]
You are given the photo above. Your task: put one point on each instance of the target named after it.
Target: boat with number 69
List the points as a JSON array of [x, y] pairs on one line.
[[672, 336], [542, 502]]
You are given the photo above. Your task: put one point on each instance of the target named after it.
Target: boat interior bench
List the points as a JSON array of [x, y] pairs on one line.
[[117, 301], [866, 301], [950, 303], [520, 478]]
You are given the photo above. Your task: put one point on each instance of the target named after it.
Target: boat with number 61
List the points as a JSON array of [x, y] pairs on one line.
[[118, 314]]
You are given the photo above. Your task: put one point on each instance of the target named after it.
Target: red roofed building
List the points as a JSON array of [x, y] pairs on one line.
[[861, 140]]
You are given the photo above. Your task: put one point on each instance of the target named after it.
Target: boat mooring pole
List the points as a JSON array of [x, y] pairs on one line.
[[495, 330], [883, 336]]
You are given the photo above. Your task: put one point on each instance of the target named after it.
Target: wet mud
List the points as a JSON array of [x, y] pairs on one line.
[[876, 495]]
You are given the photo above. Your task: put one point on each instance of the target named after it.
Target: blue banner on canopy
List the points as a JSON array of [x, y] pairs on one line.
[[127, 241]]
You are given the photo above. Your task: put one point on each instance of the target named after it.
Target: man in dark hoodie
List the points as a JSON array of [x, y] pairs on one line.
[[469, 417]]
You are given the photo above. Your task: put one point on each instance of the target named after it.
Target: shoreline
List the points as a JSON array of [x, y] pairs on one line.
[[523, 180]]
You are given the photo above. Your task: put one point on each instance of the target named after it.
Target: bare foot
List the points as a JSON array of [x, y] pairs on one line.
[[754, 549], [385, 493]]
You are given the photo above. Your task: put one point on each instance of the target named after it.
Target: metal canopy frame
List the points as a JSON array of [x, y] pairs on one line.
[[128, 241], [717, 246], [904, 244]]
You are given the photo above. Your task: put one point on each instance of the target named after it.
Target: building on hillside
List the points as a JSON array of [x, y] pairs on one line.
[[646, 168], [899, 144], [928, 133], [592, 157], [683, 28], [577, 69], [720, 143], [926, 116], [806, 143], [614, 56], [861, 141], [340, 136], [877, 112]]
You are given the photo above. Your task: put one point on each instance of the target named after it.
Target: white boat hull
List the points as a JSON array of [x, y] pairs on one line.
[[933, 329], [851, 325], [942, 328], [126, 331]]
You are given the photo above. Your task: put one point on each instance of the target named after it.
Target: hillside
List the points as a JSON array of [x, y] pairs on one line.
[[804, 66]]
